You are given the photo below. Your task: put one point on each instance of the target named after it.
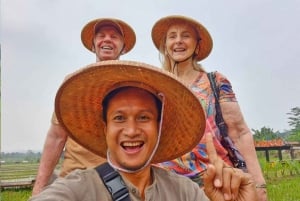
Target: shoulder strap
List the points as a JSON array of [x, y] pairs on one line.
[[234, 155], [212, 79], [113, 182], [219, 118]]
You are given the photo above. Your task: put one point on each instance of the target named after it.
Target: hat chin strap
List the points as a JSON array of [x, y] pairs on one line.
[[154, 150], [177, 62], [121, 52]]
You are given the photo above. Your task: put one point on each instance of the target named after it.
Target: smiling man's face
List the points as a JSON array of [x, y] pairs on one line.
[[132, 128], [108, 43]]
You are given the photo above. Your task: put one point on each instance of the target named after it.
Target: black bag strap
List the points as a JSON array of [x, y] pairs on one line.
[[236, 158], [219, 118], [113, 182]]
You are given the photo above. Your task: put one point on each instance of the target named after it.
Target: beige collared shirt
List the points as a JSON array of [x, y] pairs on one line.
[[85, 185]]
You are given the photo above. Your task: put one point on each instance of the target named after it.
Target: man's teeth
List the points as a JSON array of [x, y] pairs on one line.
[[131, 144], [178, 50], [107, 48]]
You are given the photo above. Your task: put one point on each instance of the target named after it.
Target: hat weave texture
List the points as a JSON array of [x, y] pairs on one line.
[[78, 106]]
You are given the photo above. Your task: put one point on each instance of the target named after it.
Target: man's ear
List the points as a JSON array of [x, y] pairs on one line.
[[123, 51], [104, 128]]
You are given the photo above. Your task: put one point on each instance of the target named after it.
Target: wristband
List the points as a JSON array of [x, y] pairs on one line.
[[261, 186]]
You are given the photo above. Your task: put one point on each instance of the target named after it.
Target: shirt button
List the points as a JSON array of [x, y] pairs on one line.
[[133, 191]]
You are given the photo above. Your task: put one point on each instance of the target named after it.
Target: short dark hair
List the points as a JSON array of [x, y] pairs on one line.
[[113, 93]]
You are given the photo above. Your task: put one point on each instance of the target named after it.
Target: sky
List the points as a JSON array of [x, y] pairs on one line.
[[256, 46]]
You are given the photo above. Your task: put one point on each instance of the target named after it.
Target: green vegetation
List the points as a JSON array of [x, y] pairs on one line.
[[294, 122], [19, 157], [15, 195], [284, 189], [18, 171], [279, 169]]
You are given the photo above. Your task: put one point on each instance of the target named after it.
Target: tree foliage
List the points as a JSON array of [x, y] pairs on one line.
[[17, 157], [295, 136], [265, 134], [294, 119], [294, 122]]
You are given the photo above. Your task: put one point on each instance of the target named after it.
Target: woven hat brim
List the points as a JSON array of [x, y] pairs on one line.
[[160, 28], [88, 32], [78, 106]]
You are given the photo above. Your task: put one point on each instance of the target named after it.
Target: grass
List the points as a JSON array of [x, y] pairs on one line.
[[286, 188], [15, 195], [18, 171]]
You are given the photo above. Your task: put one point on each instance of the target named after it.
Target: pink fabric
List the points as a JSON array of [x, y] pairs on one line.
[[196, 161]]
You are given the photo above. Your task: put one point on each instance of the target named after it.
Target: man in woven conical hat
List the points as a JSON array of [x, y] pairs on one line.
[[108, 38], [136, 119]]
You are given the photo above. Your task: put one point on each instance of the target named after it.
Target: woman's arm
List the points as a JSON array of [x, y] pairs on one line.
[[241, 136]]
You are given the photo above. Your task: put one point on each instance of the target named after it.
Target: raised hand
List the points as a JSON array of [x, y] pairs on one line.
[[222, 182]]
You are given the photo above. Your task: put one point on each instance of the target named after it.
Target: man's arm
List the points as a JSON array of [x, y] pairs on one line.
[[53, 148]]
